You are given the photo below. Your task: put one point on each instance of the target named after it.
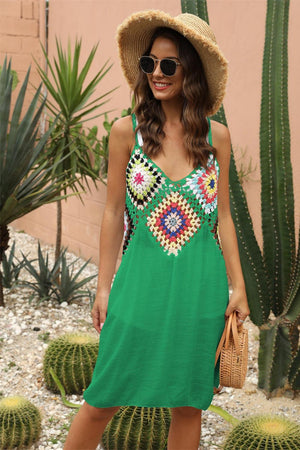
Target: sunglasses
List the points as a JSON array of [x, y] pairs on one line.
[[167, 66]]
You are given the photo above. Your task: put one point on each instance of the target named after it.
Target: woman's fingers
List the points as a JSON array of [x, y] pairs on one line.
[[241, 316], [103, 318], [238, 302], [98, 318]]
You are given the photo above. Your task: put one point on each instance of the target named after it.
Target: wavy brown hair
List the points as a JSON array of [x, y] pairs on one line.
[[196, 103]]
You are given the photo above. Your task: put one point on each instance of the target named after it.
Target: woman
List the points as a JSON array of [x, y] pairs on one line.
[[165, 313]]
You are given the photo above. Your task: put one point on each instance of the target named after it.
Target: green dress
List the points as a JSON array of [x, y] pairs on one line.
[[166, 308]]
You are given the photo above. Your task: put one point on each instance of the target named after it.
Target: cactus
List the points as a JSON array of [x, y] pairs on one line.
[[272, 278], [20, 422], [134, 428], [72, 358], [264, 432]]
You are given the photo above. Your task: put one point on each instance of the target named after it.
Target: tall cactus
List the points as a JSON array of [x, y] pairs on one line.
[[272, 278]]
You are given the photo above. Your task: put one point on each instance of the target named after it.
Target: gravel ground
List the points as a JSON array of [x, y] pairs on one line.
[[24, 332]]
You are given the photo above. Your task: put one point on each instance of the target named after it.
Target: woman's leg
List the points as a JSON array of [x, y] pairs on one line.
[[185, 428], [88, 426]]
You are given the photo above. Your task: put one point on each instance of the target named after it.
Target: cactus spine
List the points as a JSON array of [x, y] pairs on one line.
[[20, 422], [72, 358], [273, 278], [264, 432], [135, 428]]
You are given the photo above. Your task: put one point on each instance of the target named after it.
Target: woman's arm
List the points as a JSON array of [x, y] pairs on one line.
[[238, 298], [121, 142]]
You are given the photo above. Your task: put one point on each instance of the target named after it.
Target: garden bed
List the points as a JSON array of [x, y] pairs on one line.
[[25, 330]]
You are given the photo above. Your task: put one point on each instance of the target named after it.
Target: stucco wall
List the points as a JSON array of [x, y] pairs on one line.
[[239, 27], [22, 28]]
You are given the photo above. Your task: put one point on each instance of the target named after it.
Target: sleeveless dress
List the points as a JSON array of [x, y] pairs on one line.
[[166, 308]]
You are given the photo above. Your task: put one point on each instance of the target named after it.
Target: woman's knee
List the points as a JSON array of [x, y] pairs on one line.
[[100, 413], [186, 411]]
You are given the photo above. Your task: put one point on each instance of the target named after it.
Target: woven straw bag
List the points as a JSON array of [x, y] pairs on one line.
[[233, 352]]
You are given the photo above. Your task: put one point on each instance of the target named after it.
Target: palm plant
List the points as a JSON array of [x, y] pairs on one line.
[[24, 184], [70, 149], [272, 277]]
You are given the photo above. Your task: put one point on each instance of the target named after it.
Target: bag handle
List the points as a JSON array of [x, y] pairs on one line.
[[229, 329]]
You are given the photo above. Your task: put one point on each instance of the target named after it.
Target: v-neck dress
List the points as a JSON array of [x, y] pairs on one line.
[[166, 308]]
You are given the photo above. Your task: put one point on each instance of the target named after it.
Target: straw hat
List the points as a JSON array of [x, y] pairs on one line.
[[135, 33]]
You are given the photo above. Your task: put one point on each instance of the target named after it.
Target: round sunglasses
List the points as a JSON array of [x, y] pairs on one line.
[[167, 66]]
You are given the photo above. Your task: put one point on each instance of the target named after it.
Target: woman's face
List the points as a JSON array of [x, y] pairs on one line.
[[165, 88]]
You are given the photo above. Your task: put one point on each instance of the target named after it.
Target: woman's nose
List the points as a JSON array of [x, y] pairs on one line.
[[157, 70]]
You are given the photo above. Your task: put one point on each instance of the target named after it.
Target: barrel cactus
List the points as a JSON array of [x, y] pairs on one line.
[[72, 358], [20, 422], [134, 428], [264, 432]]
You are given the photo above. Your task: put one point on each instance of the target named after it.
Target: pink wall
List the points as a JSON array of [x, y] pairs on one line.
[[22, 28], [239, 27]]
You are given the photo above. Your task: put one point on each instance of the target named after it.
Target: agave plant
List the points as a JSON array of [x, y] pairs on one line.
[[15, 78], [24, 184], [272, 277], [11, 268], [44, 283], [70, 149], [42, 276], [71, 282]]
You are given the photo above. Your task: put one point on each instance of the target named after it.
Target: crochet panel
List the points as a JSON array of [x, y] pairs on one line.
[[172, 212]]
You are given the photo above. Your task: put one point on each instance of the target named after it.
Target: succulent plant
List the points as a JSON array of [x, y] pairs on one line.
[[72, 358], [25, 181], [272, 277], [135, 428], [264, 432], [20, 422]]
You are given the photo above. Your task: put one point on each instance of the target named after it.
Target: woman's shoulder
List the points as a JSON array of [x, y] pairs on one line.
[[122, 132], [123, 127], [220, 134]]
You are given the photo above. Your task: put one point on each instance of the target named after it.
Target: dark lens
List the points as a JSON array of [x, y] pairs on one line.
[[168, 67], [147, 64]]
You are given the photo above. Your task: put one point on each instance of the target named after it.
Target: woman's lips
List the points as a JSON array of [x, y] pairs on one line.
[[159, 86]]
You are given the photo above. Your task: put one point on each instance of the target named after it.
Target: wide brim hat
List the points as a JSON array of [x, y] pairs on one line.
[[134, 37]]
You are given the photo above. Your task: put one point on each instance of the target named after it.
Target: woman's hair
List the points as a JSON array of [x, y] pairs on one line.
[[196, 103]]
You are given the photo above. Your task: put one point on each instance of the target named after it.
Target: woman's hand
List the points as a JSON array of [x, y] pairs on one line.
[[238, 302], [99, 310]]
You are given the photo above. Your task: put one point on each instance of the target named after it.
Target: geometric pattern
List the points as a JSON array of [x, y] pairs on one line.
[[128, 229], [173, 222], [215, 232], [203, 183], [143, 180]]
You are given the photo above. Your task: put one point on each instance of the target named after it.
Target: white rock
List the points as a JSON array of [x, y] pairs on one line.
[[17, 330]]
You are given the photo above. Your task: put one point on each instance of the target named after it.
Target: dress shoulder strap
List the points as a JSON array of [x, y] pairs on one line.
[[134, 121], [209, 132]]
